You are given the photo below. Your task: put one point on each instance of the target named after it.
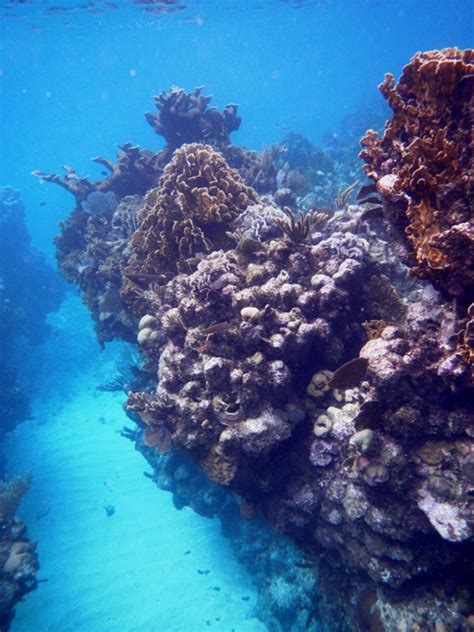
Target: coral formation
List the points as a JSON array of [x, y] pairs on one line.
[[18, 559], [236, 343], [29, 290], [422, 165], [187, 216], [294, 358], [184, 117]]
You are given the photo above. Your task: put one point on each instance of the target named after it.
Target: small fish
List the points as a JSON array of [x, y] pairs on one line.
[[144, 280], [43, 512], [217, 328], [84, 264]]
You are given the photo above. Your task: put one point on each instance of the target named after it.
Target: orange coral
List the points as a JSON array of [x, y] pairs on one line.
[[422, 165]]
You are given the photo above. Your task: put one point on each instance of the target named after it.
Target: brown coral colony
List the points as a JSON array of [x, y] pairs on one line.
[[422, 165]]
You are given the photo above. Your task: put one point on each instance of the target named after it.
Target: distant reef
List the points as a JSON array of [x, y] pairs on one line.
[[29, 289], [312, 356]]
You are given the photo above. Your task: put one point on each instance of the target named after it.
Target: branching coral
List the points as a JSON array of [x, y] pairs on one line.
[[422, 165], [184, 117], [135, 171]]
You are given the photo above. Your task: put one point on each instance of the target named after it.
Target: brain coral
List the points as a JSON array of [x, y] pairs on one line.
[[189, 213], [422, 165]]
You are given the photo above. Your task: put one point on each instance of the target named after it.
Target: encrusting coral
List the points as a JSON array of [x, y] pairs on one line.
[[422, 165]]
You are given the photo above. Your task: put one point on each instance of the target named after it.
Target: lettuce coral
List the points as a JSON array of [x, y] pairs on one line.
[[187, 215]]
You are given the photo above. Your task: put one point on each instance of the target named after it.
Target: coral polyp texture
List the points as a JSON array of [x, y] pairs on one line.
[[422, 165]]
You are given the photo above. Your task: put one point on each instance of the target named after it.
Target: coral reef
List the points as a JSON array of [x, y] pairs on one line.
[[237, 341], [422, 166], [296, 360], [18, 559]]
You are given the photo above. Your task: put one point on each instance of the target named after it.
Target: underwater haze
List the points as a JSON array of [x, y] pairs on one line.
[[241, 402]]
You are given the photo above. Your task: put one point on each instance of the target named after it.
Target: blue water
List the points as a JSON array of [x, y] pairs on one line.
[[73, 84], [76, 84]]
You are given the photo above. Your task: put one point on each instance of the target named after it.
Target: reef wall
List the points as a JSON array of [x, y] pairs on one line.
[[296, 358], [29, 290]]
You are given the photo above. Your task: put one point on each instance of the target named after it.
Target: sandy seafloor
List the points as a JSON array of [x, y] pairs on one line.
[[128, 572]]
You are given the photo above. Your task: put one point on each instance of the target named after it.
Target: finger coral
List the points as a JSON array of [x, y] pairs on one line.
[[422, 165]]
